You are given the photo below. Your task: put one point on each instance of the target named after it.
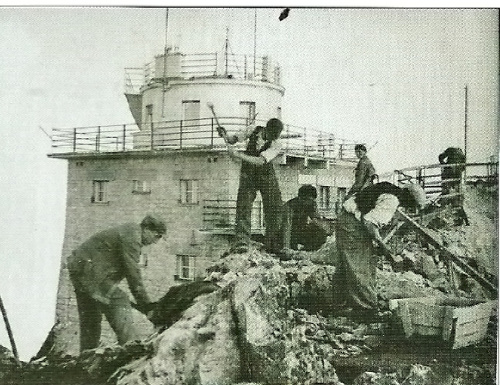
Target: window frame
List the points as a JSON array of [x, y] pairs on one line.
[[249, 108], [321, 195], [100, 189], [182, 268], [189, 196], [140, 186]]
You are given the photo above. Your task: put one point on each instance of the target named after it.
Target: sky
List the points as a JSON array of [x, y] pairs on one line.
[[393, 78]]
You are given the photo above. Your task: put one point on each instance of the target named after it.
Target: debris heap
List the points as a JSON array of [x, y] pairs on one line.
[[257, 319]]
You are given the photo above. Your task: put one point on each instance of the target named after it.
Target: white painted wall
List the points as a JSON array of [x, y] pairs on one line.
[[225, 94]]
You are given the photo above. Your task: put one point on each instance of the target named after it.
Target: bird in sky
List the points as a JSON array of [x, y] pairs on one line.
[[284, 14]]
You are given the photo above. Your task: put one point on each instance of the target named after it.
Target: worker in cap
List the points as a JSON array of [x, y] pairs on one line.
[[258, 175], [364, 173], [97, 267], [356, 227]]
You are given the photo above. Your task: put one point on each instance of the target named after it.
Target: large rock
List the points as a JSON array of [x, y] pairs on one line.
[[201, 348], [245, 331]]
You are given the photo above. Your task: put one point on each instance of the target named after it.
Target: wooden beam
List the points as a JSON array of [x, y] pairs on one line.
[[450, 255], [391, 233]]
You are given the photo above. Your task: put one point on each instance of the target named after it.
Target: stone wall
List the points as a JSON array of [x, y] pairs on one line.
[[218, 178]]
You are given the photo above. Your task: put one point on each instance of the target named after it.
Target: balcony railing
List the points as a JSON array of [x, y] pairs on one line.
[[429, 177], [219, 215], [194, 134], [204, 65]]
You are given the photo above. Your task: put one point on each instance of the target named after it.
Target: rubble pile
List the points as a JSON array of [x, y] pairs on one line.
[[249, 330], [261, 320]]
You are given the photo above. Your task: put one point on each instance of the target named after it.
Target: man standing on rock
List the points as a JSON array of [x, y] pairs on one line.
[[364, 173], [96, 268], [357, 226], [258, 174]]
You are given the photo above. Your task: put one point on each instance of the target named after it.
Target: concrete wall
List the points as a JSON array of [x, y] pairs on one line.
[[218, 178]]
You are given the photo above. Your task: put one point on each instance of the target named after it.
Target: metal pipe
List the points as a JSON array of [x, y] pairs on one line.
[[124, 135], [9, 330]]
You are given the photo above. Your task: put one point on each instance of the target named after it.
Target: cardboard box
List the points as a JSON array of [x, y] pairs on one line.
[[461, 321]]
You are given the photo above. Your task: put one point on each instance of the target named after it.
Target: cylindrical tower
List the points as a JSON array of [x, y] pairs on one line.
[[171, 98]]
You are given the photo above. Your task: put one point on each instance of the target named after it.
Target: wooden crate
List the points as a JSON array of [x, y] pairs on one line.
[[461, 321]]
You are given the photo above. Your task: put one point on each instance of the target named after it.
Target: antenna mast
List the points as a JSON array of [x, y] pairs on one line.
[[226, 49], [165, 52], [466, 102], [254, 41]]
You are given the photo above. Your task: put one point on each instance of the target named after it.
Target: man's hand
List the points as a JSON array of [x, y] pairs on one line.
[[231, 149], [222, 132], [150, 315], [146, 308]]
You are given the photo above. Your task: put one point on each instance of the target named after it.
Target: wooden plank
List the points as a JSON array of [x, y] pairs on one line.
[[473, 313], [448, 323], [404, 315], [427, 315], [470, 333], [448, 254]]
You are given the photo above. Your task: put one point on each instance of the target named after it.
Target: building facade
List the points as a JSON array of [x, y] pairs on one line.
[[172, 162]]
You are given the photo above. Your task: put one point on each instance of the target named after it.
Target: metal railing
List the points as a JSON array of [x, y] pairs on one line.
[[190, 135], [204, 65], [220, 215], [430, 177]]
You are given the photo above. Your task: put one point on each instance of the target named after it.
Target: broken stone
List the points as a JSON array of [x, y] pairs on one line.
[[429, 268]]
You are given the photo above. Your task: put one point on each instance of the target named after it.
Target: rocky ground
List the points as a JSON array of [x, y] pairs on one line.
[[272, 322]]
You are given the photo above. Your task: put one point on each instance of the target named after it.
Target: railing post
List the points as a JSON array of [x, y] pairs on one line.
[[180, 134], [124, 135], [420, 180], [305, 142], [98, 139], [74, 139], [245, 68], [287, 138], [216, 63], [152, 136], [212, 133]]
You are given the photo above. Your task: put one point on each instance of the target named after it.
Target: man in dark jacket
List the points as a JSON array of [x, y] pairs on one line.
[[451, 175], [299, 224], [96, 268], [357, 226], [258, 174], [451, 178], [364, 173]]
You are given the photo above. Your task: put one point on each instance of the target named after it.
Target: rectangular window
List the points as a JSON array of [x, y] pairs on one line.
[[141, 186], [248, 111], [99, 191], [189, 191], [341, 193], [185, 267], [148, 115], [324, 197]]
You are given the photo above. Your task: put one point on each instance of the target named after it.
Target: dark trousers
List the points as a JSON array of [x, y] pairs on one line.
[[118, 313], [355, 280], [263, 179]]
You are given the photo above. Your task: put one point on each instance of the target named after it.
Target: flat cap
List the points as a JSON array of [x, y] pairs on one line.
[[155, 223]]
